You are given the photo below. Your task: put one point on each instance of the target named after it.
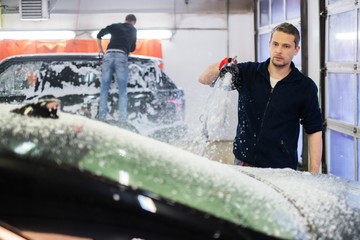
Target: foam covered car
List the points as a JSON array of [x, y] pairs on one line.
[[156, 106], [73, 176]]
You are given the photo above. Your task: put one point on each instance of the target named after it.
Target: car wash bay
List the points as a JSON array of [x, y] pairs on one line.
[[204, 32]]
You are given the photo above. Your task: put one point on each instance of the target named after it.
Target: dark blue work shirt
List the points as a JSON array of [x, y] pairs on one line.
[[123, 36], [269, 118]]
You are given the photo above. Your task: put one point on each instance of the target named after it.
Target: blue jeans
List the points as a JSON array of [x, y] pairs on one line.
[[114, 62]]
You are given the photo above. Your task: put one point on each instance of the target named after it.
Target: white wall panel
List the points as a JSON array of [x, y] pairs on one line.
[[314, 41]]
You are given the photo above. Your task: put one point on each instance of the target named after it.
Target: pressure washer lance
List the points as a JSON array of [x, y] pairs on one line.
[[228, 75]]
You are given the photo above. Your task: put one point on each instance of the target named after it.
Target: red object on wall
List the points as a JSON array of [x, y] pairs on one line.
[[9, 47]]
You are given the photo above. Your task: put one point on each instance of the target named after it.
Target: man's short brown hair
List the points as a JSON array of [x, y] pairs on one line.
[[130, 18], [289, 29]]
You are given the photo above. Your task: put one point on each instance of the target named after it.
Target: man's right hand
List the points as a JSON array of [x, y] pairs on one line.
[[226, 61], [225, 70], [210, 74], [228, 66], [101, 51]]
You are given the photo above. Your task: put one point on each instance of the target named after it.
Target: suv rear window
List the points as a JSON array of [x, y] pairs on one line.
[[38, 76], [29, 77]]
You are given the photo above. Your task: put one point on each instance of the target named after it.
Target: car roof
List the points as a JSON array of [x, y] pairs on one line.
[[282, 203], [68, 56]]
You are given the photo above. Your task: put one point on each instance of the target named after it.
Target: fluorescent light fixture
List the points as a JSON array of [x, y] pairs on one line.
[[143, 34], [37, 35]]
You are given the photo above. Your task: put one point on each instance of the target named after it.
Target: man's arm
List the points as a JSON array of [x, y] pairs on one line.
[[315, 150], [100, 45], [133, 45], [210, 74], [99, 36]]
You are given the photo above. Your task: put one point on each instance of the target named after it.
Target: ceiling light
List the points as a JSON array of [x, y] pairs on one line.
[[36, 35]]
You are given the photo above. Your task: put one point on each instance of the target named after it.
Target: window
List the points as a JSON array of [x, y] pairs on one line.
[[341, 159], [342, 40], [342, 89], [341, 100], [166, 82], [17, 77], [277, 11], [263, 51], [292, 9], [264, 12]]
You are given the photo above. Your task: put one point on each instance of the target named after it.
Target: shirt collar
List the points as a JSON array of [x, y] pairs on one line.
[[293, 75]]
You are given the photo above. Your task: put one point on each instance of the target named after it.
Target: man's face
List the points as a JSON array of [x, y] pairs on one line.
[[282, 49]]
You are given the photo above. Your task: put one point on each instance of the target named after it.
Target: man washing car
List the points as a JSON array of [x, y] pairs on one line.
[[122, 42], [274, 98]]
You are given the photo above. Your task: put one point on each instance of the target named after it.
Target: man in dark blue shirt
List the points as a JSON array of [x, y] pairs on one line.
[[274, 98], [115, 60]]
